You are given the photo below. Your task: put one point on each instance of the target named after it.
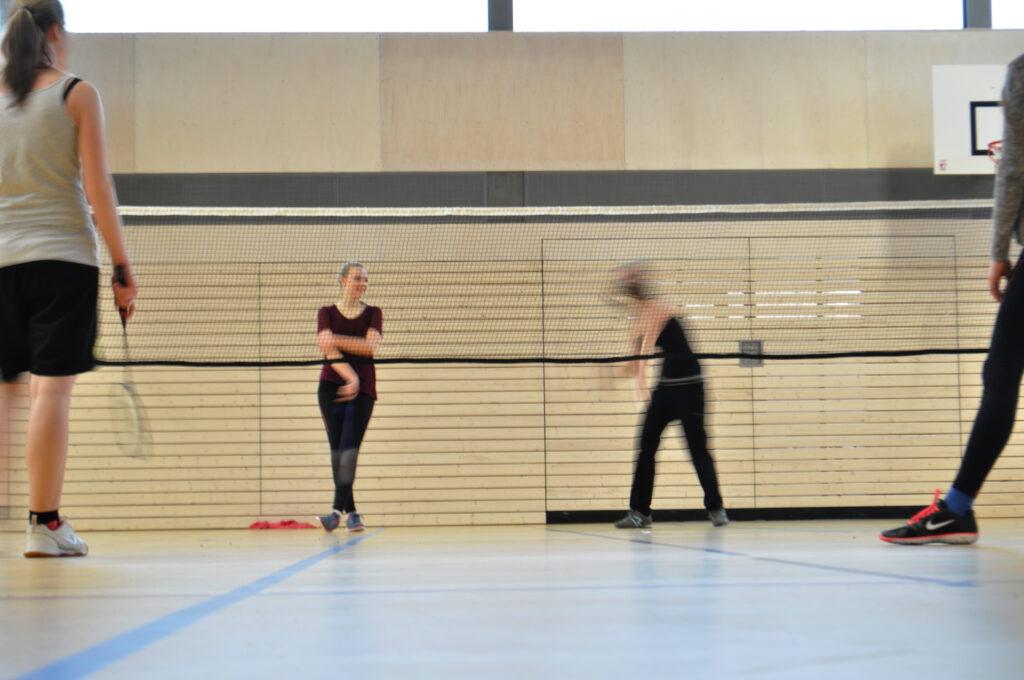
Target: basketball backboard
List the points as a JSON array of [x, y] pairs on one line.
[[967, 117]]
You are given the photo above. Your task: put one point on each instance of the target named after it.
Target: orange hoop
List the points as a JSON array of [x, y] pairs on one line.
[[995, 150]]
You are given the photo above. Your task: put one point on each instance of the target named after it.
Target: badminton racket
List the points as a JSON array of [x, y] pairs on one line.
[[129, 423]]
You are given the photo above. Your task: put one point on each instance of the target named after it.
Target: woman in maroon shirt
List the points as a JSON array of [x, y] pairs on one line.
[[348, 331]]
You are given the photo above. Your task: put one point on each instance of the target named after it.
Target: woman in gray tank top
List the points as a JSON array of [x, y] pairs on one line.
[[53, 168]]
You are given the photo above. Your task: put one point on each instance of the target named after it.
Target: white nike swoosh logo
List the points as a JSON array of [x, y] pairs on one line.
[[932, 527]]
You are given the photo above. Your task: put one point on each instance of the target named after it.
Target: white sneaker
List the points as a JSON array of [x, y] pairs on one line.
[[60, 542]]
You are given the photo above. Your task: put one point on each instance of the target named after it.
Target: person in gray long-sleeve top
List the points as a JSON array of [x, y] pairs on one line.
[[952, 520]]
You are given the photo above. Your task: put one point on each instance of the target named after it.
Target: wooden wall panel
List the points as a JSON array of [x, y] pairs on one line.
[[510, 102], [755, 102], [108, 62], [280, 103], [502, 102]]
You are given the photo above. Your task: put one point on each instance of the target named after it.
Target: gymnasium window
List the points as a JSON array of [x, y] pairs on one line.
[[738, 15], [274, 16], [1007, 14]]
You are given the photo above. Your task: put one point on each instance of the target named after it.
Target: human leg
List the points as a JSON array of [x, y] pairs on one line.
[[952, 520], [691, 409], [656, 419], [46, 450]]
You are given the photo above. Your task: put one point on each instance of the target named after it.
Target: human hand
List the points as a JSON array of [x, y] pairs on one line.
[[348, 391], [125, 290], [997, 271]]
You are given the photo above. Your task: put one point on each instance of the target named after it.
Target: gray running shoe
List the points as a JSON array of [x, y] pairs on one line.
[[329, 522], [718, 517], [354, 522], [633, 520]]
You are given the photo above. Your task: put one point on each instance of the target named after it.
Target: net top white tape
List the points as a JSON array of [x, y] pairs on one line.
[[555, 211]]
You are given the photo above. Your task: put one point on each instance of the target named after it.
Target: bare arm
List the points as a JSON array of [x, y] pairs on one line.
[[649, 325], [350, 344], [642, 346], [641, 380], [626, 369], [346, 372], [86, 111], [351, 387]]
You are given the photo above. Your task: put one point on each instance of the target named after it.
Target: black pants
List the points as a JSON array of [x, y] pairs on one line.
[[346, 424], [1001, 376], [684, 403]]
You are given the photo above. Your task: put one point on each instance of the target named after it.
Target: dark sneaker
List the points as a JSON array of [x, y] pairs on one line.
[[718, 517], [633, 520], [330, 522], [354, 522], [935, 524]]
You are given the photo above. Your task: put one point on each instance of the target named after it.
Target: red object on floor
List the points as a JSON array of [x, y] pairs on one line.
[[283, 524]]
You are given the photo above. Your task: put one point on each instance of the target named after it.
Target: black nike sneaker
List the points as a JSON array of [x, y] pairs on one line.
[[935, 524]]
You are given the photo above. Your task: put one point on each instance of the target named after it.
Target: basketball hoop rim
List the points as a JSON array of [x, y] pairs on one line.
[[995, 150]]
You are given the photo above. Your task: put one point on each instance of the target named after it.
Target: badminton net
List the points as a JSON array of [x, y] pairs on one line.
[[241, 286]]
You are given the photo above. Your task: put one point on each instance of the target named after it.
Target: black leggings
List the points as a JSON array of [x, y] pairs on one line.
[[346, 424], [684, 403], [1001, 376]]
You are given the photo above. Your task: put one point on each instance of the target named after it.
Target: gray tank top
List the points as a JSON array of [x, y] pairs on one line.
[[43, 211]]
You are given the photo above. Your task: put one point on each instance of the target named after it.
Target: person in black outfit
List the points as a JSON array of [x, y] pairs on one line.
[[952, 520], [679, 395]]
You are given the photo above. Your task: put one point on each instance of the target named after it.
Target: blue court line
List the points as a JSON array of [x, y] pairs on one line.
[[966, 583], [104, 654], [454, 590], [628, 587]]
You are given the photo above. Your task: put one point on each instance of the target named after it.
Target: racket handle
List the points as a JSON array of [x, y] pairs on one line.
[[121, 278]]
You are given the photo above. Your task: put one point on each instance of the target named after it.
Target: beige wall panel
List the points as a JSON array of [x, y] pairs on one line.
[[108, 61], [282, 103], [758, 101], [502, 102], [899, 66], [257, 103]]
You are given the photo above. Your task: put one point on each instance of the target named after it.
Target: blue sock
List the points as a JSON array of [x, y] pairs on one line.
[[958, 502]]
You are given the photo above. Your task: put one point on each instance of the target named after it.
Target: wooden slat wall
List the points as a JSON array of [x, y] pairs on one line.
[[464, 444], [447, 445]]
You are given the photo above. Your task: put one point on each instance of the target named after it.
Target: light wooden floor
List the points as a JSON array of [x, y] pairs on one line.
[[754, 600]]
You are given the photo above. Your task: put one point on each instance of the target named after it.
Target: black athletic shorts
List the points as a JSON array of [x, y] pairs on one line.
[[47, 318]]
